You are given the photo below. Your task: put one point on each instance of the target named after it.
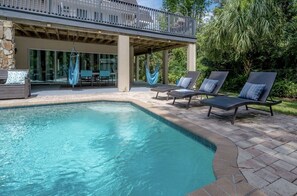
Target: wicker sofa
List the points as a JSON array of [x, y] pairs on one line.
[[13, 91]]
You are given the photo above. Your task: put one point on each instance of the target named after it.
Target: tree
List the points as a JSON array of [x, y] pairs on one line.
[[241, 29], [191, 8]]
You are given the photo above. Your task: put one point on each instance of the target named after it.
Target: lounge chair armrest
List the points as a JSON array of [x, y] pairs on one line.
[[28, 84], [221, 94], [273, 102], [27, 80]]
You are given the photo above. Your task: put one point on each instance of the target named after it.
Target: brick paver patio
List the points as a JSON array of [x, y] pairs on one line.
[[267, 146]]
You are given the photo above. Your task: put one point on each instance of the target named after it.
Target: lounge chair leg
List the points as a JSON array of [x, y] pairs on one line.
[[246, 107], [173, 100], [209, 111], [271, 111], [234, 116], [157, 95], [206, 96], [190, 98]]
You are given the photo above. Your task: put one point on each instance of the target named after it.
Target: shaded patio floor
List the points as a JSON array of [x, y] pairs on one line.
[[49, 90]]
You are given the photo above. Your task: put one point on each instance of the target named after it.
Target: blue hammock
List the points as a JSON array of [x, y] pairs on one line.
[[152, 78], [73, 71]]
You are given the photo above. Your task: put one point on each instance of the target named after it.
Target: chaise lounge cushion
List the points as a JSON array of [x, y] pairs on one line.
[[180, 81], [252, 91], [208, 85], [16, 77], [185, 82]]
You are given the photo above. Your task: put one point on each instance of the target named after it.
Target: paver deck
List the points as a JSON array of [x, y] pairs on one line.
[[267, 146]]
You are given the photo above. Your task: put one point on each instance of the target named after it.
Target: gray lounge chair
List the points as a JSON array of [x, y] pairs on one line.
[[167, 88], [220, 76], [228, 103]]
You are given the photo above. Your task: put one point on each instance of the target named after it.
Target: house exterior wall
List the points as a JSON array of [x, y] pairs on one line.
[[23, 44], [104, 10]]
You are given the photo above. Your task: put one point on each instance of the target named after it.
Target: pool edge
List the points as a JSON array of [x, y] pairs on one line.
[[229, 179]]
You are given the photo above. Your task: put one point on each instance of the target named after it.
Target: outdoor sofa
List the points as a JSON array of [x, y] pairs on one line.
[[265, 80], [216, 78], [193, 75], [14, 90]]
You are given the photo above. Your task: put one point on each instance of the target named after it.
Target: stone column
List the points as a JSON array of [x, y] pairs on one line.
[[7, 45], [123, 63], [165, 66], [191, 57]]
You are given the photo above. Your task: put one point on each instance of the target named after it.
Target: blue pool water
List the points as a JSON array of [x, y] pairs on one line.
[[100, 148]]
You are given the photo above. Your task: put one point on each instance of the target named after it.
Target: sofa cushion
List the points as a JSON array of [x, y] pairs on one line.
[[16, 77], [252, 91]]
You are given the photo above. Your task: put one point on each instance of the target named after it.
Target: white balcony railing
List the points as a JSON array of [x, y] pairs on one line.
[[109, 12]]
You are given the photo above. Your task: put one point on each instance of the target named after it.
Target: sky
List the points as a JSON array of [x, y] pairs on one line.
[[156, 4]]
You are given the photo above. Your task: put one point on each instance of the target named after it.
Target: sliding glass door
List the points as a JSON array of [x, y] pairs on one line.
[[42, 65], [52, 66]]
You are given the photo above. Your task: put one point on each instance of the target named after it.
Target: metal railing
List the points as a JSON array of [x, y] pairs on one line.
[[109, 12]]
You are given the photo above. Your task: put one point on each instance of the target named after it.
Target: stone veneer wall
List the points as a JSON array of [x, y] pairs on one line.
[[7, 45]]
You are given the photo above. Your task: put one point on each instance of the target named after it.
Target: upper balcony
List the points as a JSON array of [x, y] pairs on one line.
[[110, 15]]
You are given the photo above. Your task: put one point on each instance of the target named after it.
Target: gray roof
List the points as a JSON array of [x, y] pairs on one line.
[[130, 1]]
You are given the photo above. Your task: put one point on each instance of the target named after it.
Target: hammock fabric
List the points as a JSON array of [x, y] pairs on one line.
[[152, 78], [73, 71]]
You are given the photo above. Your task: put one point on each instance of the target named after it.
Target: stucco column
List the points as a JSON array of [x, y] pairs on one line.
[[137, 68], [191, 57], [123, 63], [165, 66], [7, 45], [132, 64]]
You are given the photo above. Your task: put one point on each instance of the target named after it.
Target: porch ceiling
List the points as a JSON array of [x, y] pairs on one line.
[[141, 44]]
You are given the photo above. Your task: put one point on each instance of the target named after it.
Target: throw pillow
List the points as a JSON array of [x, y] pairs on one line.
[[180, 81], [186, 82], [252, 91], [16, 77], [208, 85]]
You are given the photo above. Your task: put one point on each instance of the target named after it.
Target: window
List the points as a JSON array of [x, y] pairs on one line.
[[113, 19], [63, 9], [80, 13], [98, 16]]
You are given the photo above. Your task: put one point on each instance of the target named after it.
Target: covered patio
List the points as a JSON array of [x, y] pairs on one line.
[[109, 36]]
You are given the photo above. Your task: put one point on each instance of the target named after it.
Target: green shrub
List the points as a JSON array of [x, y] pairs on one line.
[[285, 88], [235, 83]]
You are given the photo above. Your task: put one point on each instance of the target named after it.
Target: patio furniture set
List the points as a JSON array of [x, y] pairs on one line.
[[99, 77], [16, 84], [255, 92]]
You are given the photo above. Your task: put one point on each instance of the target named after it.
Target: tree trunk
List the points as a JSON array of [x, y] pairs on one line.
[[247, 65]]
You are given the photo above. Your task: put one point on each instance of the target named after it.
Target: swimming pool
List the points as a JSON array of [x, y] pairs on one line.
[[99, 148]]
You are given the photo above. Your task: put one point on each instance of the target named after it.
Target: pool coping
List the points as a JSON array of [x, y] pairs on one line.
[[229, 179]]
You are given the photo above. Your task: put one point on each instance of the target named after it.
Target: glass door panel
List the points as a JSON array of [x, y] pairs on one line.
[[63, 60], [49, 66]]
